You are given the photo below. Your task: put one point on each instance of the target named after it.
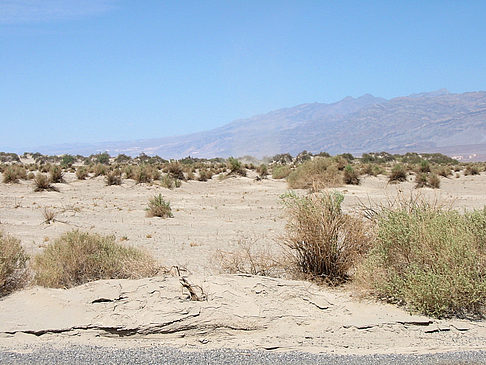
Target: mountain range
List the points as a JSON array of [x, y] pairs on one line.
[[437, 121]]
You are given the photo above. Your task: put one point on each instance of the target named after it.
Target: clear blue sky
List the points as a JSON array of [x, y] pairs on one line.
[[106, 70]]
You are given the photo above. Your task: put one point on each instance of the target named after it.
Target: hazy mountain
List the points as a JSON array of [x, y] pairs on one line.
[[425, 122]]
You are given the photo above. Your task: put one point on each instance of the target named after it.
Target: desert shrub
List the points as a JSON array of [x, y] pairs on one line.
[[351, 176], [471, 170], [429, 258], [81, 173], [235, 168], [13, 272], [398, 174], [262, 170], [10, 175], [142, 175], [424, 166], [153, 172], [56, 174], [100, 169], [421, 180], [158, 207], [176, 170], [42, 182], [340, 162], [190, 175], [320, 172], [324, 242], [67, 160], [167, 181], [205, 175], [281, 172], [113, 177], [78, 257], [30, 176], [444, 171], [433, 181]]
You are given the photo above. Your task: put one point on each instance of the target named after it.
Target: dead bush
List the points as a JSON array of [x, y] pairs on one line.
[[249, 257]]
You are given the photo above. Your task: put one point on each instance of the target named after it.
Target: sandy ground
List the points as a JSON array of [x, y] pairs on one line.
[[240, 311]]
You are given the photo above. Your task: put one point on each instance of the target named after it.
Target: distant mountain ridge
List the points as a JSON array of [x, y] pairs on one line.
[[426, 122]]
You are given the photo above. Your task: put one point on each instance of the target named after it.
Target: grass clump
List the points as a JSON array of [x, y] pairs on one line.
[[158, 207], [324, 242], [78, 257], [429, 258], [13, 264], [42, 182]]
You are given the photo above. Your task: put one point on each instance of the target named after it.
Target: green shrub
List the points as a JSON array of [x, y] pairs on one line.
[[431, 259], [158, 207], [77, 258], [235, 167], [351, 176], [13, 272], [281, 172], [324, 242], [424, 166]]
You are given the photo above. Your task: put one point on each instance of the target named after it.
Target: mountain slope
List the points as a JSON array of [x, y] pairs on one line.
[[421, 122]]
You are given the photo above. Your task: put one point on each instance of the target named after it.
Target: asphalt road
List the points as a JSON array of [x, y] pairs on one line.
[[166, 355]]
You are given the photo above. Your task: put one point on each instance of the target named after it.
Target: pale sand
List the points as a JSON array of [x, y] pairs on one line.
[[241, 311]]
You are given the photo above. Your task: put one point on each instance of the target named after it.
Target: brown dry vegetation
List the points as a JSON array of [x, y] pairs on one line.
[[13, 264], [76, 258]]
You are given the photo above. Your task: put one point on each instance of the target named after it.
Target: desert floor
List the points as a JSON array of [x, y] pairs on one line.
[[241, 311]]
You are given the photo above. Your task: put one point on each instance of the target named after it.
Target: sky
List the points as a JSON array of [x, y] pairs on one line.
[[83, 71]]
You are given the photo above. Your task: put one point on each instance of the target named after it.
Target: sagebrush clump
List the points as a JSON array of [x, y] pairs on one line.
[[13, 264], [78, 257], [430, 258]]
